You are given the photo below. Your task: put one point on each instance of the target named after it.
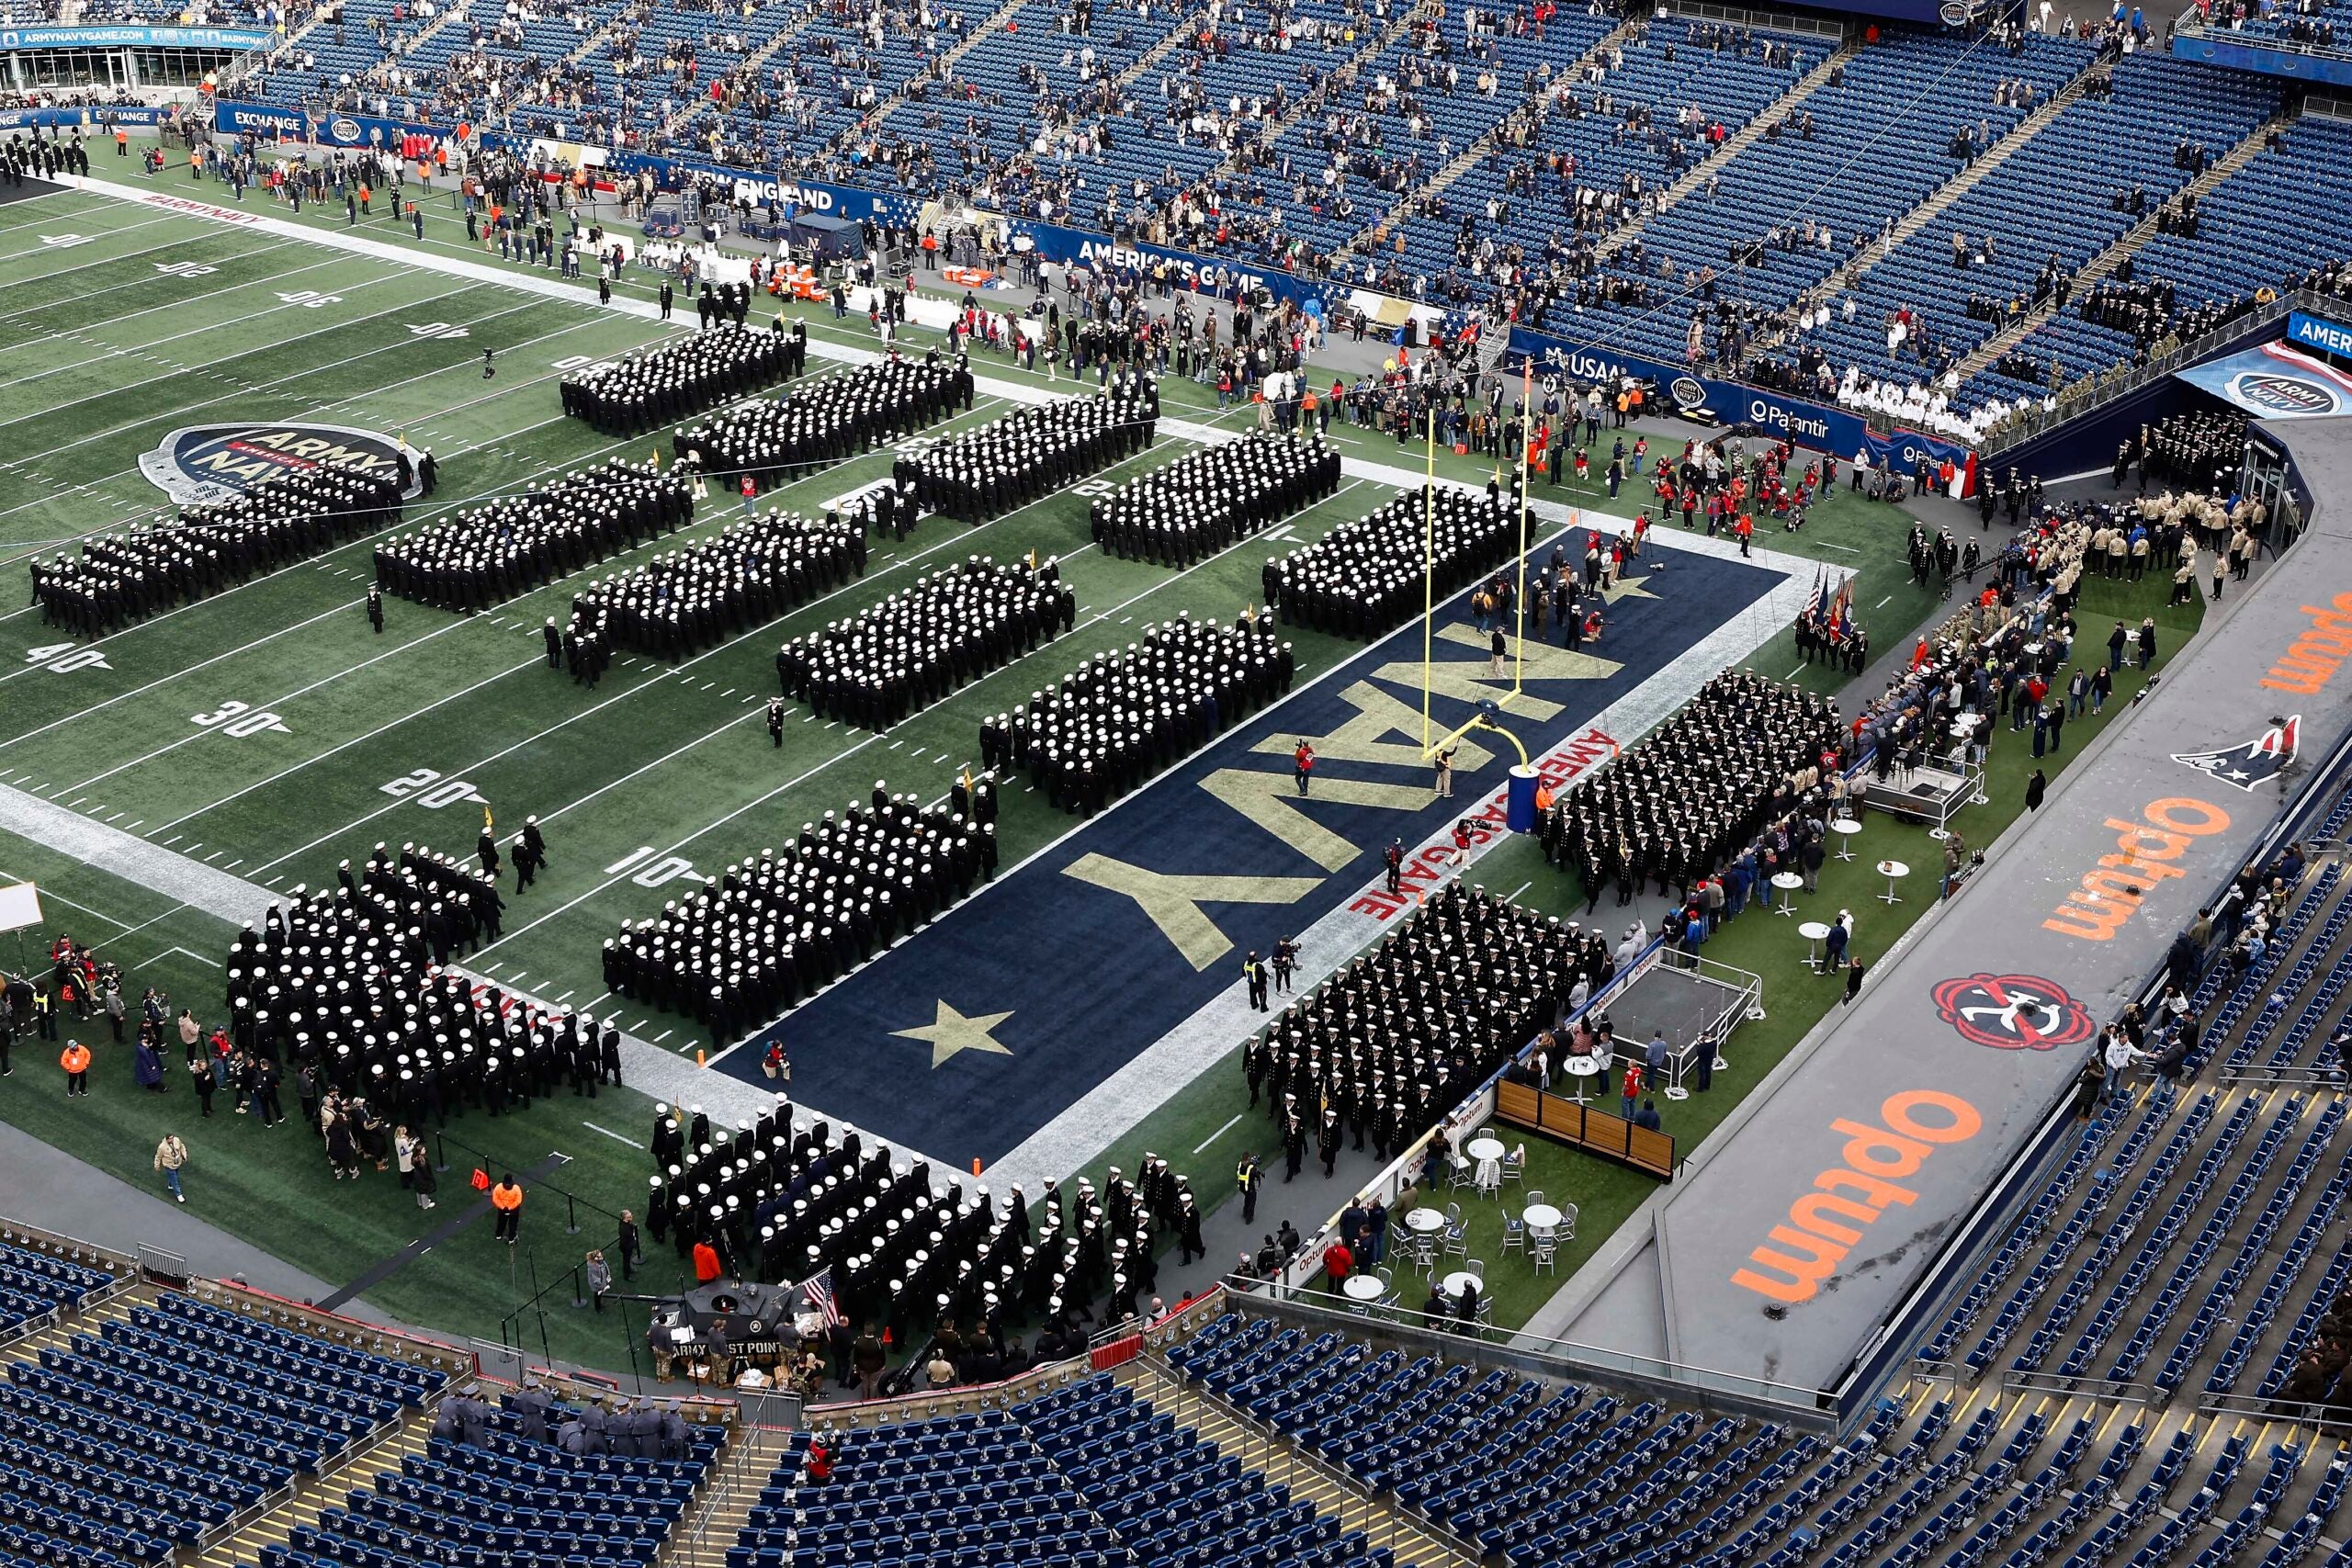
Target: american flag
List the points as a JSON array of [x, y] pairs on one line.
[[819, 1290]]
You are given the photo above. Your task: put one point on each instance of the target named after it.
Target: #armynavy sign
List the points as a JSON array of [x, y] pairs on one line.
[[201, 464]]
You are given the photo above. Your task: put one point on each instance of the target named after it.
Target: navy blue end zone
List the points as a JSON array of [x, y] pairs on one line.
[[1015, 1005]]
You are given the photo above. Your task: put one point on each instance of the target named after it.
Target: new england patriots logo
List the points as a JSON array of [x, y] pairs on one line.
[[2249, 762]]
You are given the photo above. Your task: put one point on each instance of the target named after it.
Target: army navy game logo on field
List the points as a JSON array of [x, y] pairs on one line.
[[206, 463]]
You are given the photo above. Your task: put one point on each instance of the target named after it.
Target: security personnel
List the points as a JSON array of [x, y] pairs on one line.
[[376, 607], [775, 721], [75, 1060], [506, 1197], [1248, 1176]]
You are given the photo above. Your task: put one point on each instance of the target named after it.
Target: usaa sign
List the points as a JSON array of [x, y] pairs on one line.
[[201, 464]]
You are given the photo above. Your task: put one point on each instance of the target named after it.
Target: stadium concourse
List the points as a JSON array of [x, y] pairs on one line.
[[826, 929]]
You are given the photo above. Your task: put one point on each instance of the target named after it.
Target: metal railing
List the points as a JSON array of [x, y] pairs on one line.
[[2189, 24], [740, 1474], [1764, 21], [2080, 397], [1563, 1358], [1277, 1457]]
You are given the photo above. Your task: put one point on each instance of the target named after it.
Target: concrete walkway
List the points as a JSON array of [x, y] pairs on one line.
[[51, 1189]]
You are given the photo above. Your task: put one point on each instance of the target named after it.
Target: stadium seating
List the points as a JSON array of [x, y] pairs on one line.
[[121, 1445], [2242, 246], [2130, 139], [961, 1489], [33, 1284], [512, 1498], [1577, 1478]]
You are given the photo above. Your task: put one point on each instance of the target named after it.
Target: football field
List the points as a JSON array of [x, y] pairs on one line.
[[160, 779]]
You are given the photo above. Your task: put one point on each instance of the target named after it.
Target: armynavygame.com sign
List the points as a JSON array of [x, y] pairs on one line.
[[204, 463]]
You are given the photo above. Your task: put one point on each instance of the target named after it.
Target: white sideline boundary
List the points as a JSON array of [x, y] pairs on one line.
[[1089, 1126]]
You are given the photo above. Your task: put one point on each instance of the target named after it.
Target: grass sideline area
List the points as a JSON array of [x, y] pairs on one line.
[[147, 322], [1795, 996]]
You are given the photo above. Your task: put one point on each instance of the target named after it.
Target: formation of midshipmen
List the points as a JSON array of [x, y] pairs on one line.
[[1685, 801], [919, 644], [1207, 500], [688, 600], [1398, 1038], [1126, 715], [1033, 452], [683, 377], [780, 1203], [126, 577], [826, 421], [1365, 577], [347, 988], [775, 928], [486, 555]]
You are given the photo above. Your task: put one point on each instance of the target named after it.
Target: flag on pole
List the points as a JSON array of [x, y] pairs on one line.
[[1820, 594], [818, 1289], [485, 816], [1841, 609]]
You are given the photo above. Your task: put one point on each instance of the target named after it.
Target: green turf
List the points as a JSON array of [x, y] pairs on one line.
[[1796, 998], [271, 1186], [119, 339]]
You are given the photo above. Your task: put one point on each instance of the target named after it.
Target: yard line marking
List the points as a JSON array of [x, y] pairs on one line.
[[47, 892], [344, 746], [1883, 603], [185, 669], [147, 348], [232, 864], [664, 1036], [1220, 1133], [1520, 889], [516, 977], [566, 996], [133, 827], [172, 413], [170, 842], [632, 1143]]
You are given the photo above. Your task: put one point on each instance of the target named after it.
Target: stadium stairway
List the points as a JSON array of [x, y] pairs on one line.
[[1698, 174], [718, 1514], [314, 1494], [1273, 1454], [1151, 57], [754, 63], [1960, 184], [1344, 73], [1471, 156], [2101, 266], [455, 15]]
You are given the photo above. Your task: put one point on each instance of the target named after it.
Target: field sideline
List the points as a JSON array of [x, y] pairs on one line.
[[134, 323]]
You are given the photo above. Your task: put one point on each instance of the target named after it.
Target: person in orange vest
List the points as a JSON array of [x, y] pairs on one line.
[[507, 1199], [75, 1060], [121, 142], [705, 1263]]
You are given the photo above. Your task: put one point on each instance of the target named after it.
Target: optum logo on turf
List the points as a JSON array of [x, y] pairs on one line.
[[205, 463]]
